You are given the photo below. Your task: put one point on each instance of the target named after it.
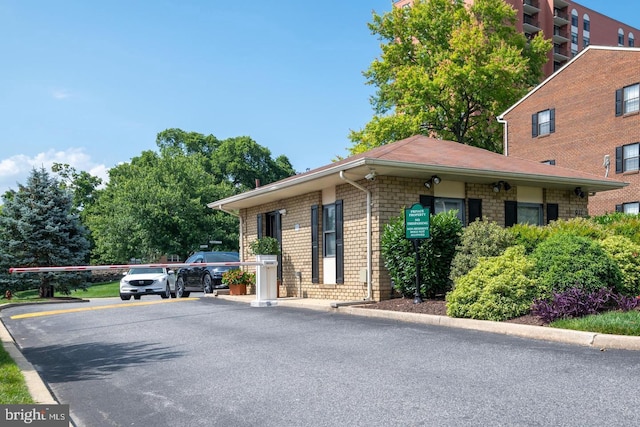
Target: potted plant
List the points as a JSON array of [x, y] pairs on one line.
[[265, 246], [237, 280]]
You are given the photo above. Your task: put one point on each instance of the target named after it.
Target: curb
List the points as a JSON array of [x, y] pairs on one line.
[[40, 393]]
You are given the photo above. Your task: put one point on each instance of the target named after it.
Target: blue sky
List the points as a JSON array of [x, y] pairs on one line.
[[92, 83]]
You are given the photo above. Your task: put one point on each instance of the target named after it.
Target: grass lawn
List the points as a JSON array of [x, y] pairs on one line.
[[612, 322], [101, 290], [13, 389]]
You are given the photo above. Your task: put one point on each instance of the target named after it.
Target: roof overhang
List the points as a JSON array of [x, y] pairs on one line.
[[356, 170]]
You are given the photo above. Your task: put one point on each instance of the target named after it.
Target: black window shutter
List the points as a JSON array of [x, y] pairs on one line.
[[475, 209], [552, 212], [618, 102], [619, 160], [339, 243], [510, 213], [534, 125], [259, 223], [552, 120], [619, 208], [315, 270], [428, 202]]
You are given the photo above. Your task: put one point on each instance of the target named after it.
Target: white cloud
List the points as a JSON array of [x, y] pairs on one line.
[[60, 93], [16, 169]]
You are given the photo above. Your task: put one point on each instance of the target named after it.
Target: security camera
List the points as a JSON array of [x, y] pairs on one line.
[[371, 175]]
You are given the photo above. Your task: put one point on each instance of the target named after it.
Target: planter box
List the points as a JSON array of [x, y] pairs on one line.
[[237, 289]]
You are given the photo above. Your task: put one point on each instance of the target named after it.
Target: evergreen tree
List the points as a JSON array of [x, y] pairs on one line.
[[40, 228]]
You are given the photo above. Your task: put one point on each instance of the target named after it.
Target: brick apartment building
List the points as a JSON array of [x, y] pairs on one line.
[[330, 220], [585, 117], [571, 26]]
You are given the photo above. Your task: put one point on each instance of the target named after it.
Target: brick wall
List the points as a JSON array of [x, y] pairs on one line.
[[586, 128], [389, 195]]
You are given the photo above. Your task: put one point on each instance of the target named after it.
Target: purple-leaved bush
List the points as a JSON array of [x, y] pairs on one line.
[[575, 302]]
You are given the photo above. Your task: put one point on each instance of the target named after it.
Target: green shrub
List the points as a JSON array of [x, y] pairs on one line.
[[626, 255], [578, 227], [621, 224], [498, 288], [479, 239], [436, 254], [565, 261], [529, 236]]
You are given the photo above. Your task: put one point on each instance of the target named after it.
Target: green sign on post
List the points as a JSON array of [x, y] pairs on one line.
[[416, 222]]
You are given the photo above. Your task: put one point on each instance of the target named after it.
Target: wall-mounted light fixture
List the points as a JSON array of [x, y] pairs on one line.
[[371, 175], [435, 179], [497, 186], [282, 211], [578, 192]]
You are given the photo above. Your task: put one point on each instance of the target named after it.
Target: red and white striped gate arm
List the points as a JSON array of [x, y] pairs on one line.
[[13, 270]]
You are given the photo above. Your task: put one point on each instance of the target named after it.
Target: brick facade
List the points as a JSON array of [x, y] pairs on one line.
[[389, 195], [586, 126]]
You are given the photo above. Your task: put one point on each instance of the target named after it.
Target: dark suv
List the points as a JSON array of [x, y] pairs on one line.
[[205, 278]]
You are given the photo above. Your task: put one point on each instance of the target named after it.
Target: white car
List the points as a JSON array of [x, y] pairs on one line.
[[140, 281]]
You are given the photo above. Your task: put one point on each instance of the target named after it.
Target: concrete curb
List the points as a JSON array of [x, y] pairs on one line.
[[38, 390]]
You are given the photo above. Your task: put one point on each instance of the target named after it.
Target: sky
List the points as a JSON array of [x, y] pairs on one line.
[[91, 84]]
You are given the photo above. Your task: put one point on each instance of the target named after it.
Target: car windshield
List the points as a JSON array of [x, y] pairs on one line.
[[221, 257], [146, 270]]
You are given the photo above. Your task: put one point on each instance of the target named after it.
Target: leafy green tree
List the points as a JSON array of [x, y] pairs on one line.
[[82, 184], [40, 228], [156, 205], [447, 70]]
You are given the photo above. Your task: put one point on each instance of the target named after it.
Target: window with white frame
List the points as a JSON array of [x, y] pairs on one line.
[[629, 208], [631, 98], [631, 157], [543, 122], [631, 40], [329, 230], [442, 204], [620, 37]]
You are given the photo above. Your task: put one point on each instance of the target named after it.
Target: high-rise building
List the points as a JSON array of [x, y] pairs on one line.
[[570, 26]]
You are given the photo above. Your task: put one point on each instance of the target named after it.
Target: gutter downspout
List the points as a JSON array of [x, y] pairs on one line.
[[505, 137], [220, 208], [369, 286]]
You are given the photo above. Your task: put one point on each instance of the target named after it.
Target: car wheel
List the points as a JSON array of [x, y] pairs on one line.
[[179, 288], [207, 284], [125, 297], [137, 296], [167, 292]]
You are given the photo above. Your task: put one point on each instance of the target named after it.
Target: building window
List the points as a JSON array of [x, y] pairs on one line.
[[530, 213], [329, 230], [628, 99], [629, 208], [586, 41], [631, 40], [522, 213], [543, 122], [628, 158], [442, 204], [551, 162], [574, 18], [620, 37], [574, 38]]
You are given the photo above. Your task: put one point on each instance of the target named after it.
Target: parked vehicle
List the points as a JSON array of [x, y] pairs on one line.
[[140, 281], [205, 278]]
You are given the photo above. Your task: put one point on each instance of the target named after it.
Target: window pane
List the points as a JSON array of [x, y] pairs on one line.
[[631, 157], [446, 205], [631, 98], [330, 244], [329, 218], [529, 214], [632, 208], [544, 122]]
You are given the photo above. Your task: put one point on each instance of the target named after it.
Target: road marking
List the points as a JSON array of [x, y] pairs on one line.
[[99, 307]]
